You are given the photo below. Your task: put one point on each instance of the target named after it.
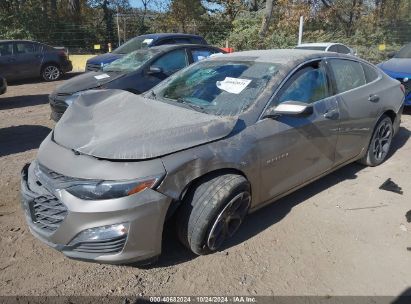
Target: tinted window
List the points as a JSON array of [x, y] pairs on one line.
[[182, 40], [307, 85], [343, 49], [171, 62], [196, 40], [200, 54], [165, 41], [333, 48], [370, 73], [348, 74], [26, 48], [6, 49]]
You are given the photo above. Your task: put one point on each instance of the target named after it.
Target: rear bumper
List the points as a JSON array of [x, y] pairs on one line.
[[66, 66], [143, 213]]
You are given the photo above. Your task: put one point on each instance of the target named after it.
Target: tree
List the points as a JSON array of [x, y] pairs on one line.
[[269, 4], [182, 12]]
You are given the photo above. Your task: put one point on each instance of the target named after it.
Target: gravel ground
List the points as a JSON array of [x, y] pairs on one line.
[[341, 235]]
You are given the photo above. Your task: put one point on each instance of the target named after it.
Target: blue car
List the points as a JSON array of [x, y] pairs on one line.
[[98, 62], [399, 67]]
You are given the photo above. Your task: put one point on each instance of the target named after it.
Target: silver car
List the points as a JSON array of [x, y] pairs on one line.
[[205, 147]]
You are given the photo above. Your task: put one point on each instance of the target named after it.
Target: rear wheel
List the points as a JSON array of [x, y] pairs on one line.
[[212, 212], [50, 72], [380, 143]]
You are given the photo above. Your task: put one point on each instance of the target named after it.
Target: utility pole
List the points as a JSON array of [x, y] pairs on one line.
[[300, 30], [118, 30]]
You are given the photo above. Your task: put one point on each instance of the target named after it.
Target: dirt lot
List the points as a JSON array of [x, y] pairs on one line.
[[341, 235]]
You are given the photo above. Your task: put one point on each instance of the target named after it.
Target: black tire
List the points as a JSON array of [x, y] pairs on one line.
[[215, 206], [51, 72], [380, 143]]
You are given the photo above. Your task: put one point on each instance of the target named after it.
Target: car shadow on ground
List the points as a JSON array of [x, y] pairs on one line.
[[174, 253], [39, 80], [15, 102], [19, 139]]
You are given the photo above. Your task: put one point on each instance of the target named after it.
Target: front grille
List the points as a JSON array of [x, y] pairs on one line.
[[102, 247], [93, 67], [48, 212]]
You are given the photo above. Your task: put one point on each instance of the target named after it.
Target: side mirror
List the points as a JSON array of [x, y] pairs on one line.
[[391, 54], [154, 70], [290, 108]]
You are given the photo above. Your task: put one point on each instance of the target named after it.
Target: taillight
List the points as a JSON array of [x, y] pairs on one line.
[[402, 88]]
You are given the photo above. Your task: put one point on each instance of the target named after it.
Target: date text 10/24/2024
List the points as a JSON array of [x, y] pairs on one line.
[[204, 299]]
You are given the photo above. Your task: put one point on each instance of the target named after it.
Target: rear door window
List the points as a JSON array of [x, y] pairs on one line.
[[348, 74], [6, 49], [370, 73], [172, 61], [27, 48], [200, 54]]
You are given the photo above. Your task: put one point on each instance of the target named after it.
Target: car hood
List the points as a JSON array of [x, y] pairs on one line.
[[397, 67], [118, 125], [104, 58], [86, 81]]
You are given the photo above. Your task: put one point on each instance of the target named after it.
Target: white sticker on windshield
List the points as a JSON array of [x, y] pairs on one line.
[[147, 41], [101, 76], [233, 85]]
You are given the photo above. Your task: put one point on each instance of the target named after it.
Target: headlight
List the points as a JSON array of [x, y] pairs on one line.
[[100, 190]]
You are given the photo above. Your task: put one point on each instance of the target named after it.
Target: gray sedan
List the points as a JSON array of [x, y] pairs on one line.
[[210, 144]]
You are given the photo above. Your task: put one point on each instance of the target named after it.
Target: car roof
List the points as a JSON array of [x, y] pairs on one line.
[[279, 55], [166, 35], [324, 44], [18, 40], [167, 47]]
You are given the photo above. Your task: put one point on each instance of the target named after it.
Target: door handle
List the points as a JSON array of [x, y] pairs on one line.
[[374, 98], [332, 114], [11, 60]]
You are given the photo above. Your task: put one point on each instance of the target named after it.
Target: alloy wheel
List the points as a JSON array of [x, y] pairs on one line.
[[51, 72], [382, 140], [229, 220]]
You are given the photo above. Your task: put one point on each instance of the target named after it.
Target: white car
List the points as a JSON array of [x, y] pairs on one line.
[[327, 47]]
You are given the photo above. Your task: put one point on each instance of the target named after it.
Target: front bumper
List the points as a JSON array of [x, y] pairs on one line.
[[57, 217]]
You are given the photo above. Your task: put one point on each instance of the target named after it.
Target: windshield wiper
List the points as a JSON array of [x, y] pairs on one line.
[[152, 95], [192, 105]]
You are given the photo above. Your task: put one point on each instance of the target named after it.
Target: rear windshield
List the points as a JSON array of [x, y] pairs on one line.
[[130, 62], [405, 52], [223, 88], [133, 45]]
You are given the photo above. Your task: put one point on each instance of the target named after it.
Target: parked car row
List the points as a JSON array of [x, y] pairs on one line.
[[136, 72], [209, 144]]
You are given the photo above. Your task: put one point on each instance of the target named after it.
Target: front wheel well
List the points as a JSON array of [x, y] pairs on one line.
[[391, 114], [195, 182]]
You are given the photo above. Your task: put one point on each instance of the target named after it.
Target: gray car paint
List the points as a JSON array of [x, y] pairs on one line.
[[277, 156], [132, 130]]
